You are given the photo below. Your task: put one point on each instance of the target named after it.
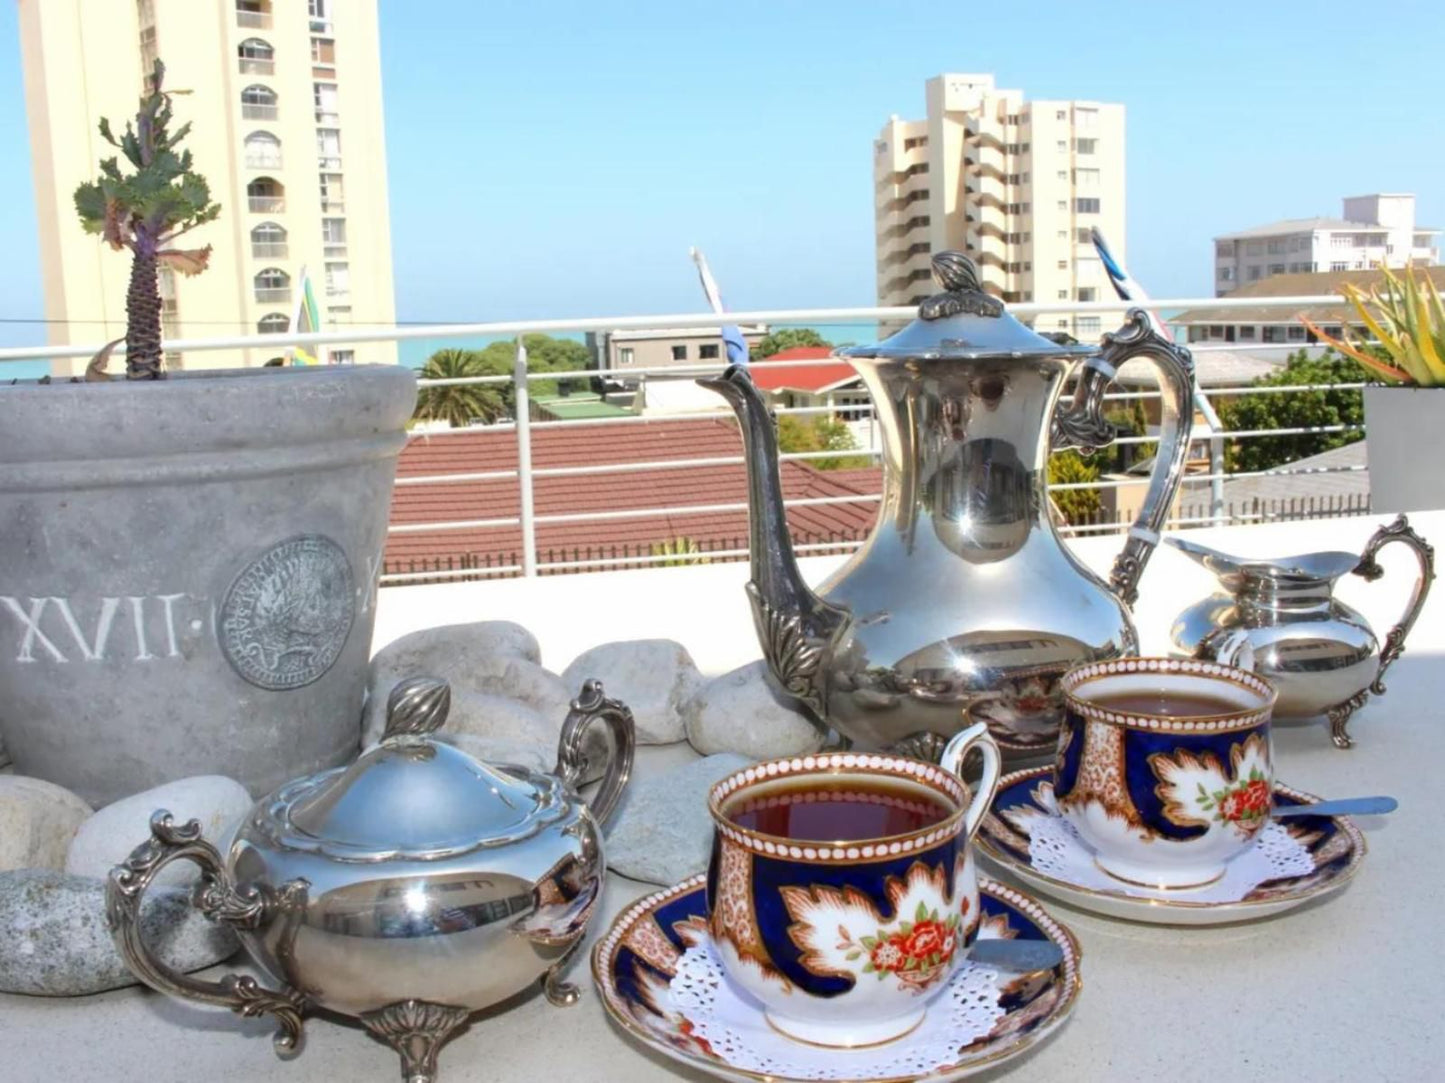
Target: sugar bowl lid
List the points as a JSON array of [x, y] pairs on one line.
[[411, 796], [964, 322]]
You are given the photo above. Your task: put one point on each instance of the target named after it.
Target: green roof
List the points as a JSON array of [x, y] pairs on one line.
[[578, 407]]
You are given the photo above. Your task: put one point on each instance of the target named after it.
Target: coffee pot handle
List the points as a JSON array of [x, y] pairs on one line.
[[1398, 531], [218, 897], [1081, 424], [956, 751], [587, 708]]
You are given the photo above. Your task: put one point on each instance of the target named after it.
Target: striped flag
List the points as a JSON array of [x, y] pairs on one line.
[[305, 320], [732, 335]]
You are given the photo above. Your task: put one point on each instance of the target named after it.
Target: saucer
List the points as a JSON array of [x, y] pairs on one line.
[[653, 942], [1333, 843]]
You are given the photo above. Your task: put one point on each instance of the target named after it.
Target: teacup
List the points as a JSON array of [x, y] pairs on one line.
[[1164, 766], [841, 894]]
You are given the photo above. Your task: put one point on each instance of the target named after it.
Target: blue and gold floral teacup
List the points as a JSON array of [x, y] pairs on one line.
[[841, 894], [1164, 766]]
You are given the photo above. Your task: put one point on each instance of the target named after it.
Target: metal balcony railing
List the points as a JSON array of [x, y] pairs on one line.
[[271, 294], [266, 204], [258, 111], [528, 561], [255, 66], [254, 20]]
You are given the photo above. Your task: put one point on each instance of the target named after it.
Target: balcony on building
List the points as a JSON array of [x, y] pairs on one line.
[[259, 102], [256, 57], [272, 286], [268, 241], [266, 195], [262, 151], [253, 14]]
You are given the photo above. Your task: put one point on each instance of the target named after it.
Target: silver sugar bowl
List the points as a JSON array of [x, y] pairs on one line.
[[1279, 618], [408, 890]]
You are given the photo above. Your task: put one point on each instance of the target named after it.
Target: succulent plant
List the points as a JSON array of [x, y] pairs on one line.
[[1408, 321]]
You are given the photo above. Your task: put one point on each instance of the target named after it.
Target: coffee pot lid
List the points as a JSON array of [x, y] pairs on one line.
[[964, 322], [412, 795]]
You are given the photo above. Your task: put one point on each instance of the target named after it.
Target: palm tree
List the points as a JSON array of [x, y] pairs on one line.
[[456, 404]]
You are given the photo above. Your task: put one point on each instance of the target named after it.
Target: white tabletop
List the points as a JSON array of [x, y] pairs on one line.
[[1349, 988]]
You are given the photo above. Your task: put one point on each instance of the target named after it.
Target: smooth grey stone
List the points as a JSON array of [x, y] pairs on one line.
[[663, 833], [37, 821], [744, 712], [108, 837], [54, 940], [654, 677]]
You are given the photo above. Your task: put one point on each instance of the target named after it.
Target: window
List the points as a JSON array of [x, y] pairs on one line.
[[917, 141], [338, 280], [1063, 146], [624, 355], [1086, 206], [1086, 120], [1063, 295], [258, 103], [323, 97], [1089, 325], [679, 353], [1063, 174], [253, 13], [339, 313], [1061, 114], [1086, 178], [1300, 244], [1086, 146], [1088, 293], [1341, 240], [1246, 334], [1063, 235], [1275, 246], [323, 52], [1085, 235], [274, 324], [1296, 333], [320, 13], [1254, 248], [1064, 205], [343, 357], [256, 57], [273, 284], [265, 195], [333, 236], [263, 151], [1226, 274], [328, 148], [1276, 268], [333, 195], [707, 351], [268, 241], [1339, 266], [1253, 274], [1063, 265]]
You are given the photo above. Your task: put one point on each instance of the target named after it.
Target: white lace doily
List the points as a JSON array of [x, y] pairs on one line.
[[732, 1023], [1056, 850]]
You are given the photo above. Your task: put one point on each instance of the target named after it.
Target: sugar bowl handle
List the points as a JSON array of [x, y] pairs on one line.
[[1398, 531], [955, 752], [218, 897], [587, 708]]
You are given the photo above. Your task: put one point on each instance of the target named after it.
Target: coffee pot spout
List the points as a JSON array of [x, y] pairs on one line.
[[794, 625]]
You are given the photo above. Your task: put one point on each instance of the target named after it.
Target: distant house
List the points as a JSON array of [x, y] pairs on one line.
[[621, 351], [1253, 325], [483, 450]]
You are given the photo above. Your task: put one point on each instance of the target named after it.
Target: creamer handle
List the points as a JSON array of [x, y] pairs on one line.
[[587, 708], [1398, 531]]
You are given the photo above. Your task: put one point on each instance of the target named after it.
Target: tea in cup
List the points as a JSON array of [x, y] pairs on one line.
[[1164, 766], [841, 893]]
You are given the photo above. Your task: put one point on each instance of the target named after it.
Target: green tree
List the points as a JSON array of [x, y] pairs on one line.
[[1069, 467], [458, 404], [1292, 410], [819, 433], [785, 339], [544, 354], [145, 210]]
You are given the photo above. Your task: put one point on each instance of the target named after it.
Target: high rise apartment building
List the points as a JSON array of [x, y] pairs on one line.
[[1015, 184], [1372, 230], [285, 102]]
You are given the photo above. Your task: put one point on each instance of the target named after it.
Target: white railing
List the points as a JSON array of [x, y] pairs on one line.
[[527, 518]]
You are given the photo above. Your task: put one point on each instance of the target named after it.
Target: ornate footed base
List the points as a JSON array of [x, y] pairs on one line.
[[417, 1030], [1340, 715], [562, 994]]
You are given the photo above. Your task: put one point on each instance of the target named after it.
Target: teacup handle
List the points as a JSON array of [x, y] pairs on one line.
[[587, 708], [218, 897], [1398, 531], [956, 751]]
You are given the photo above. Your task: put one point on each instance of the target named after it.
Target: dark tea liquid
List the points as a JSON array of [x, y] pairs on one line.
[[849, 810], [1170, 704]]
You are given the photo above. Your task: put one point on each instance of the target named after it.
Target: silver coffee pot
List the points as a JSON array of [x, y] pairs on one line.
[[1280, 618], [964, 603], [408, 890]]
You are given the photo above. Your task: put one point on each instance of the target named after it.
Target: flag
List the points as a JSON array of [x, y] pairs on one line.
[[732, 335], [1124, 284], [306, 320]]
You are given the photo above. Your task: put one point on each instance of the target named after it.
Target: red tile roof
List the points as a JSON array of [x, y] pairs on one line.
[[802, 377], [577, 445]]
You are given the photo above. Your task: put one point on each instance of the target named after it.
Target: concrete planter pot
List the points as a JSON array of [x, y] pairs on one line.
[[1404, 445], [188, 571]]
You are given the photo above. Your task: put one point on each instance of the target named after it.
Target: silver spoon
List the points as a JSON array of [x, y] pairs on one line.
[[1021, 955], [1345, 806]]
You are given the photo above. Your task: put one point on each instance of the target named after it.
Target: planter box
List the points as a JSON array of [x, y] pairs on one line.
[[187, 572], [1405, 445]]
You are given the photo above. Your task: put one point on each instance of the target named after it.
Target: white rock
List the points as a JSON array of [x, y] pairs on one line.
[[654, 677], [493, 678], [55, 941], [108, 837], [744, 712], [662, 832], [492, 750], [37, 821]]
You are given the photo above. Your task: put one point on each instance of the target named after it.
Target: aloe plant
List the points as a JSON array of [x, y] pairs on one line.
[[1408, 321], [145, 210], [679, 551]]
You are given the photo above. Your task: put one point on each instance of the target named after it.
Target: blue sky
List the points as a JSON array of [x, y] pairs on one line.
[[557, 159]]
